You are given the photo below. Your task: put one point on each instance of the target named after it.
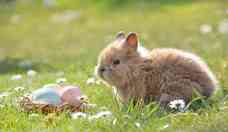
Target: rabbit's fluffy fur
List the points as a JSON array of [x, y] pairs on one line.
[[162, 75]]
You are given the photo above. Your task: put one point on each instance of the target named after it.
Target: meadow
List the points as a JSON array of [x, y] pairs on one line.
[[63, 41]]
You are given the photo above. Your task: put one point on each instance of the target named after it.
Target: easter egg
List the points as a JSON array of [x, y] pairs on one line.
[[70, 95], [46, 95]]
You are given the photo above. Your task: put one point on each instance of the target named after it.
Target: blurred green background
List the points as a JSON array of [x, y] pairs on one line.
[[58, 34], [54, 37]]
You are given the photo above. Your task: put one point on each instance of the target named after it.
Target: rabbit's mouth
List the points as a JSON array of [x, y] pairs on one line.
[[102, 72], [106, 74]]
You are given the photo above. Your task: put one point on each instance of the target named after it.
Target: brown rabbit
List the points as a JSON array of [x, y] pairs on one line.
[[161, 75]]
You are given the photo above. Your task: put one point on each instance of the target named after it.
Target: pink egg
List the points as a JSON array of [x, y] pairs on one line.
[[70, 95]]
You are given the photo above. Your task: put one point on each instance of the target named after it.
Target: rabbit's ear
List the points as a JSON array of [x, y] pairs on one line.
[[120, 35], [132, 40]]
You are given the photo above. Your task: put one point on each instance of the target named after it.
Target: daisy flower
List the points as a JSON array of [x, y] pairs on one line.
[[223, 26], [90, 81], [31, 73], [16, 77], [77, 115], [4, 94], [177, 104], [103, 114], [137, 124], [33, 115], [205, 28]]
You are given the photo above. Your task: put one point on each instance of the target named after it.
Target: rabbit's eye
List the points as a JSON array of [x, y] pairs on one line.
[[116, 62]]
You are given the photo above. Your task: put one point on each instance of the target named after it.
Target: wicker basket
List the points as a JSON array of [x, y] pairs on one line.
[[28, 105]]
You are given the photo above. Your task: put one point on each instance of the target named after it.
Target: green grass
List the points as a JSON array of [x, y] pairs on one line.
[[73, 47]]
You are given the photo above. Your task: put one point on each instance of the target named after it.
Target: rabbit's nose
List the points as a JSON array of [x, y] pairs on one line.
[[104, 68]]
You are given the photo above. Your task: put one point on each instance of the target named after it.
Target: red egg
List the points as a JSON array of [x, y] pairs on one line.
[[70, 95]]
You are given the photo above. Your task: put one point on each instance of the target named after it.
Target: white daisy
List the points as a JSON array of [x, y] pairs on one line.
[[77, 115], [33, 115], [91, 106], [165, 126], [205, 28], [15, 19], [90, 81], [16, 77], [223, 26], [103, 114], [98, 82], [31, 73], [4, 94], [137, 124], [177, 104]]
